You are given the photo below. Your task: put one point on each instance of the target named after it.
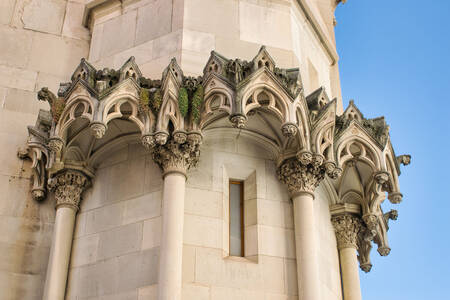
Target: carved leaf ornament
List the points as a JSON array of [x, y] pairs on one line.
[[172, 112]]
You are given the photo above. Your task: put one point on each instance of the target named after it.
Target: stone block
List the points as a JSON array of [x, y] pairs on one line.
[[212, 269], [275, 213], [6, 11], [197, 292], [193, 62], [48, 80], [15, 46], [126, 181], [130, 295], [80, 224], [118, 34], [272, 269], [55, 55], [152, 177], [73, 26], [275, 190], [142, 53], [202, 176], [96, 43], [15, 255], [117, 156], [198, 41], [10, 164], [251, 240], [104, 218], [203, 203], [236, 48], [98, 279], [153, 20], [218, 17], [144, 207], [25, 231], [138, 269], [121, 240], [148, 292], [210, 229], [95, 196], [265, 24], [44, 15], [23, 101], [275, 241], [188, 268], [15, 123], [251, 212], [155, 67], [21, 286], [84, 250], [167, 44], [225, 293], [152, 233]]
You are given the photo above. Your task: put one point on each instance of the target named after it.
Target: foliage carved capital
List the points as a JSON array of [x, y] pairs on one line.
[[68, 186], [301, 174], [176, 154], [347, 228]]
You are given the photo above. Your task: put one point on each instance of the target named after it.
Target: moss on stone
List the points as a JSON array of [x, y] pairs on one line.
[[57, 108], [156, 101], [183, 101], [197, 101], [144, 97]]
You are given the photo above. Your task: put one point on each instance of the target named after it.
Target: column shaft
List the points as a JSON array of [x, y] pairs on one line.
[[307, 263], [350, 274], [170, 265], [58, 265]]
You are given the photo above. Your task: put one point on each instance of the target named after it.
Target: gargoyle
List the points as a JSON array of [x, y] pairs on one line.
[[404, 159]]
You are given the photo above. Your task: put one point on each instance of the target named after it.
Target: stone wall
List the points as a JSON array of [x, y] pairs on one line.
[[116, 246], [41, 42], [154, 31]]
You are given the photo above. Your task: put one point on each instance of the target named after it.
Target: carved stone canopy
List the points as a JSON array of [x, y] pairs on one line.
[[99, 110]]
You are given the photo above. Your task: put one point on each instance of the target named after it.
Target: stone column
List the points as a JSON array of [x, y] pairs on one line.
[[347, 228], [174, 157], [302, 177], [67, 187]]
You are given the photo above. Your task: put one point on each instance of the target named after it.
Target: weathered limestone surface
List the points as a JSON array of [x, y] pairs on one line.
[[190, 29], [35, 51], [119, 228], [115, 253]]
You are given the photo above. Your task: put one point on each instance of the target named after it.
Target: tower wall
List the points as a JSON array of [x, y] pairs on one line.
[[41, 42]]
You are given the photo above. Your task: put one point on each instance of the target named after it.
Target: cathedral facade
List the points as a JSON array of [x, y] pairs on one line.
[[185, 149]]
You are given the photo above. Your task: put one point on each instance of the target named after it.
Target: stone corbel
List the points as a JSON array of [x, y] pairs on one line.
[[38, 152], [175, 154]]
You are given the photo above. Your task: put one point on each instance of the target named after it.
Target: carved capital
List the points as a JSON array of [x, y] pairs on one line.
[[289, 129], [347, 228], [98, 129], [178, 154], [238, 121], [68, 186], [300, 177]]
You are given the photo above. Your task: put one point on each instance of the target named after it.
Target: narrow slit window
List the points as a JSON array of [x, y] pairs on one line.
[[236, 218]]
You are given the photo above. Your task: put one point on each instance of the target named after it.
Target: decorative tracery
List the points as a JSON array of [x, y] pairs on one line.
[[99, 109]]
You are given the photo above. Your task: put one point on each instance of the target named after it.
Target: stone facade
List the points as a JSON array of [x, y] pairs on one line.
[[134, 147]]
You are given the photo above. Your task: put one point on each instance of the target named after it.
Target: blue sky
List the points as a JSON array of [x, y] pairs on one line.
[[394, 61]]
